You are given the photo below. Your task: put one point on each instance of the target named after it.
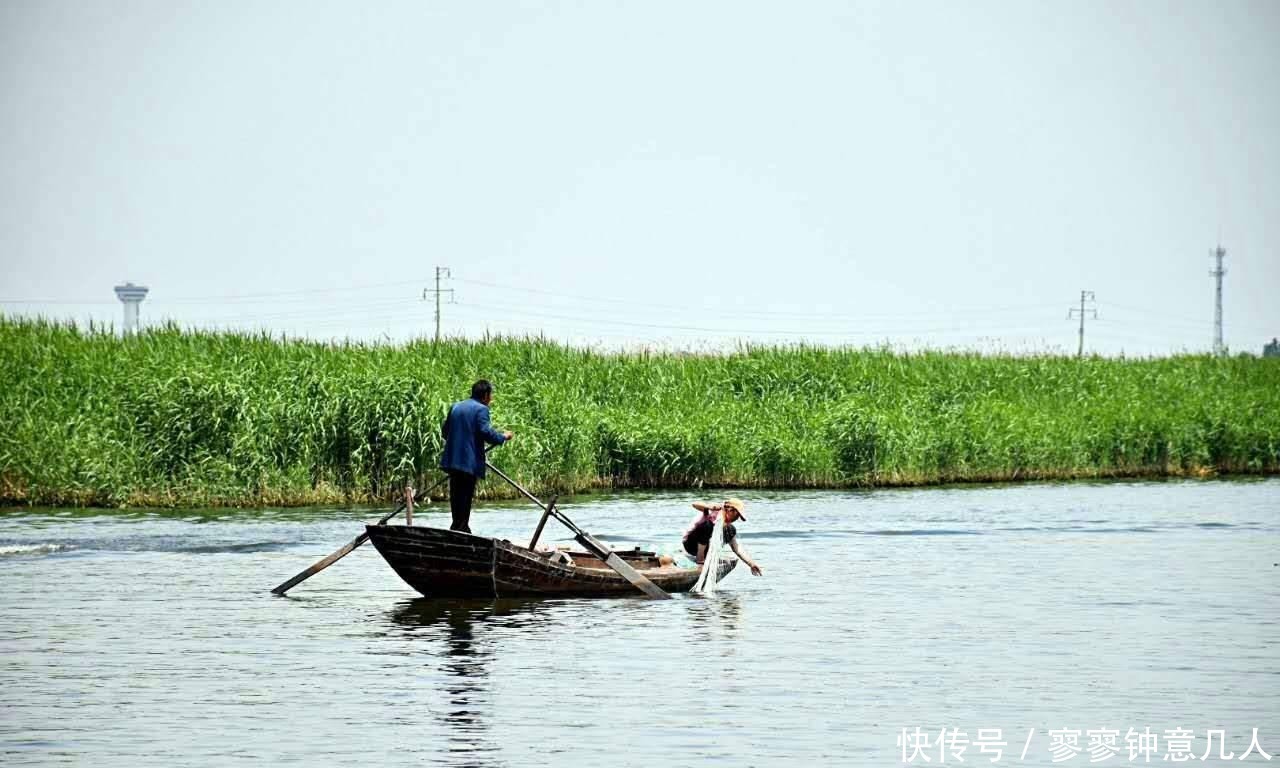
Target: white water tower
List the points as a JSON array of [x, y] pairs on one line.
[[131, 296]]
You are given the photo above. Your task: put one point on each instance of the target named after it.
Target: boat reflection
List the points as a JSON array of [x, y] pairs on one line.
[[423, 612], [462, 626]]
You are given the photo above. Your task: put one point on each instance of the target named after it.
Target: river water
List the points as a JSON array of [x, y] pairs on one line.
[[150, 639]]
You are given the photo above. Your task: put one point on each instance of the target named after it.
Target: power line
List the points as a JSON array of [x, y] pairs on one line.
[[746, 312], [299, 314], [279, 294], [55, 302], [1105, 329], [1166, 319], [218, 299], [506, 310], [1180, 321]]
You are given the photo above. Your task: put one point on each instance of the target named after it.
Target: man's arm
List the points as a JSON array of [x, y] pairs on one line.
[[704, 507], [754, 568], [490, 434]]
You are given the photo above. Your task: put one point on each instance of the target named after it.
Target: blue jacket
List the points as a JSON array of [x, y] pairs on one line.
[[465, 431]]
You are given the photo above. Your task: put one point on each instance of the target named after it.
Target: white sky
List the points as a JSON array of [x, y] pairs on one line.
[[682, 174]]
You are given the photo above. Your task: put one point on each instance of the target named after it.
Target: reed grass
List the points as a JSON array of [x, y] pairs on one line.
[[184, 418]]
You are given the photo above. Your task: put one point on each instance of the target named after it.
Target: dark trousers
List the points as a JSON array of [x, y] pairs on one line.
[[462, 489]]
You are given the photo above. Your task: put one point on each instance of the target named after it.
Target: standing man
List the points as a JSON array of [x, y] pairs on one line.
[[466, 430]]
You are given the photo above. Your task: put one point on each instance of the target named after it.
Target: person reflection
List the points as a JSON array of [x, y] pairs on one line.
[[717, 618], [467, 691], [467, 709]]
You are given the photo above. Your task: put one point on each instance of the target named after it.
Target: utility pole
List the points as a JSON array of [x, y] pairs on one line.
[[1084, 296], [1216, 273], [441, 272]]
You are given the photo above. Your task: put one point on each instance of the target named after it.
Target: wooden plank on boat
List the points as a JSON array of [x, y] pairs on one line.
[[633, 576]]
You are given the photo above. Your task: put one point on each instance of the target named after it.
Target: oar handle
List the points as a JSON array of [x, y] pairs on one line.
[[420, 495], [515, 485], [549, 509]]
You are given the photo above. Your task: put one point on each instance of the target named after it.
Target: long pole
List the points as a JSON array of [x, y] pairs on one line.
[[1080, 347], [1084, 297], [441, 272]]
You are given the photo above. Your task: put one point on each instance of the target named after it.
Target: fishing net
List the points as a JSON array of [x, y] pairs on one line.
[[711, 563]]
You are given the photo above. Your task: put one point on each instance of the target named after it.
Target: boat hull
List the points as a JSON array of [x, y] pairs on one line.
[[442, 563]]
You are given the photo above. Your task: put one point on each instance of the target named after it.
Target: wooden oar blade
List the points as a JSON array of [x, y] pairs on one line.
[[622, 567], [321, 565], [342, 552], [635, 577]]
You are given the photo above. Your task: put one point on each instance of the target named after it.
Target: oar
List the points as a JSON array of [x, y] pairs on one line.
[[351, 546], [593, 544], [346, 549]]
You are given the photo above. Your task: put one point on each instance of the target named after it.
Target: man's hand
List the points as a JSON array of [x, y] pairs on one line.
[[508, 435], [755, 570]]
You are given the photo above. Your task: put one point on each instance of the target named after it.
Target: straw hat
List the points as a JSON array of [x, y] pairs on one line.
[[737, 506]]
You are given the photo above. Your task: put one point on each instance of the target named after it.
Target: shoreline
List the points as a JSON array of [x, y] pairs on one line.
[[498, 492]]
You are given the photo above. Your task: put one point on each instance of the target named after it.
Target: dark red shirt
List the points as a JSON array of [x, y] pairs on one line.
[[701, 532]]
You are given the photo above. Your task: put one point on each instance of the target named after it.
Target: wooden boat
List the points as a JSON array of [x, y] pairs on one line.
[[444, 563]]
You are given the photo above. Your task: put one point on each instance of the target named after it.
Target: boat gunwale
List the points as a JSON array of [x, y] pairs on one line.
[[513, 569]]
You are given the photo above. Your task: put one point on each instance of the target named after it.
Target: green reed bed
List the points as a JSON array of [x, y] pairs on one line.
[[188, 418]]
